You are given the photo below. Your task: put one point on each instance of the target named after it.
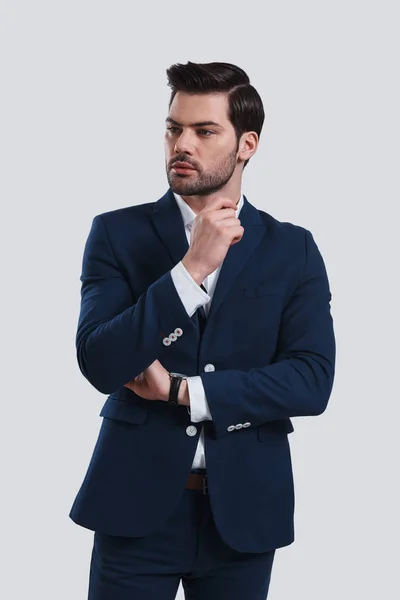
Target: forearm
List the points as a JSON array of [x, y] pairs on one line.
[[116, 351], [293, 387]]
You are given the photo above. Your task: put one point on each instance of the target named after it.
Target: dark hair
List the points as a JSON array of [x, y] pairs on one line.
[[246, 111]]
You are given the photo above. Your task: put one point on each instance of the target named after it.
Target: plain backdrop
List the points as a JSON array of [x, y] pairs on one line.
[[83, 102]]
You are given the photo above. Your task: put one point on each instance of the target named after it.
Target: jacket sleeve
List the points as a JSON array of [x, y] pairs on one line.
[[118, 338], [299, 380]]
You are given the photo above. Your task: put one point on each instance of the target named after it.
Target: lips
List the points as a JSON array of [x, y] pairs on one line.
[[182, 165]]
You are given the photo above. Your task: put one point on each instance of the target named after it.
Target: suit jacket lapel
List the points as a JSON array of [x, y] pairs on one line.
[[168, 223]]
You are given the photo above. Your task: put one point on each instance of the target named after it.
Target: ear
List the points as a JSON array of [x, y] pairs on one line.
[[248, 145]]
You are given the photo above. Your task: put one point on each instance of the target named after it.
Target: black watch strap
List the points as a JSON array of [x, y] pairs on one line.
[[174, 389]]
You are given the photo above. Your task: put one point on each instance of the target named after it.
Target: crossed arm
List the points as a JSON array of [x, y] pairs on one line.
[[117, 339]]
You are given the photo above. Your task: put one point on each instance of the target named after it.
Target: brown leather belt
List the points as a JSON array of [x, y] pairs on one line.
[[197, 481]]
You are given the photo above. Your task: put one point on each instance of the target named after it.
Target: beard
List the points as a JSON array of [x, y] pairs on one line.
[[200, 183]]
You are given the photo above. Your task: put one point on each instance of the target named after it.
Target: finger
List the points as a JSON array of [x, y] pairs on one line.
[[219, 203]]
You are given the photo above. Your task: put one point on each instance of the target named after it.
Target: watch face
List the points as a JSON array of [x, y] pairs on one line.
[[178, 375]]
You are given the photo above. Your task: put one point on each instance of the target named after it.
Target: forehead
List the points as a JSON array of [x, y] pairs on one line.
[[191, 108]]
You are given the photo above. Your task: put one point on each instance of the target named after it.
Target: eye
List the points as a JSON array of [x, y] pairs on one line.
[[205, 132]]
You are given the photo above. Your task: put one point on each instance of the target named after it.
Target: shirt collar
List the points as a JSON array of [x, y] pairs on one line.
[[188, 215]]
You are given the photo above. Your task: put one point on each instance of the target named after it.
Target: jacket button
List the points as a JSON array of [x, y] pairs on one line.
[[166, 341], [247, 424], [239, 426], [231, 428], [191, 430], [208, 368], [173, 337], [178, 331]]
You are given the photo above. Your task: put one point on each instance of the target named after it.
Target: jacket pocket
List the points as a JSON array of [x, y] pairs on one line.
[[124, 410], [272, 427]]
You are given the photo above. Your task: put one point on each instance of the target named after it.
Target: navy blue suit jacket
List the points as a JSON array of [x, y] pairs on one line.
[[269, 334]]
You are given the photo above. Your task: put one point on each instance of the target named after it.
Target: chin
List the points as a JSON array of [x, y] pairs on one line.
[[177, 185]]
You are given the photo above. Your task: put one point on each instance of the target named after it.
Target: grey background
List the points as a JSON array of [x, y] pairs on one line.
[[83, 103]]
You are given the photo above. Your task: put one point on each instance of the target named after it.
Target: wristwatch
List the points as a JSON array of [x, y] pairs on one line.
[[175, 382]]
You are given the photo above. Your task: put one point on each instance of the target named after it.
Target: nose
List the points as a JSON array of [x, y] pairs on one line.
[[183, 144]]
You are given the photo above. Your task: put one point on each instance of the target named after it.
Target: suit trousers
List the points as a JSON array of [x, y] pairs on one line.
[[187, 548]]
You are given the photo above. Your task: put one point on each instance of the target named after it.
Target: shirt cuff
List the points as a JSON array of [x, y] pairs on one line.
[[191, 294], [199, 410]]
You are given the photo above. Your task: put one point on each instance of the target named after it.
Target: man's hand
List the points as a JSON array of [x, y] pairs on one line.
[[152, 384], [215, 230]]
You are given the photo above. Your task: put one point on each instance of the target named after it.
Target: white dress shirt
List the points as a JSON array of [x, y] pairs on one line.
[[193, 297]]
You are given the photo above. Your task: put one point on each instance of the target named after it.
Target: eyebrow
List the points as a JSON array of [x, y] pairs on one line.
[[198, 124]]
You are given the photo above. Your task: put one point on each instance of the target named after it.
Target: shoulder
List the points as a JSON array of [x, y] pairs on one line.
[[127, 214], [283, 231]]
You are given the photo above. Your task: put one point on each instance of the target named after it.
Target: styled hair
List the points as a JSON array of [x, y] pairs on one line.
[[245, 112]]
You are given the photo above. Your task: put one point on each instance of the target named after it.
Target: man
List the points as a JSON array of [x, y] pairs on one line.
[[208, 323]]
